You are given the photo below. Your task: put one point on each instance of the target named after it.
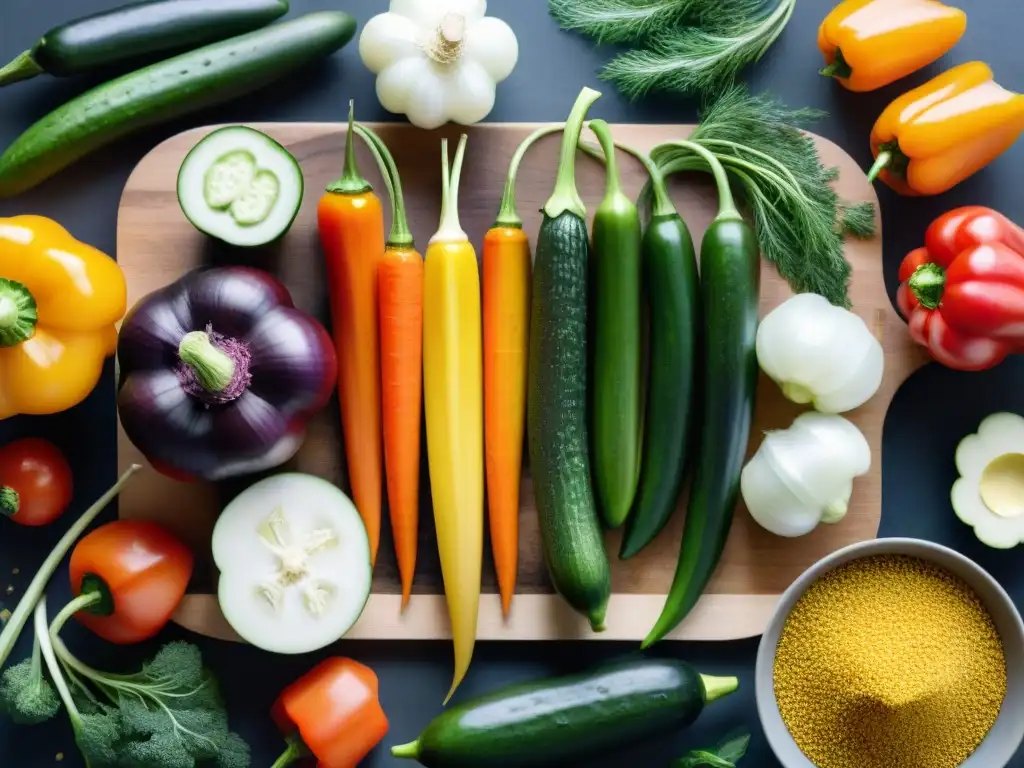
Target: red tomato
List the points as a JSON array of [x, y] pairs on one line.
[[144, 570], [35, 482]]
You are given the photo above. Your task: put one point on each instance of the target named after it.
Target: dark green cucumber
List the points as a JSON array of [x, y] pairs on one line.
[[563, 719], [133, 33], [673, 293], [615, 299], [166, 90], [557, 394], [730, 270]]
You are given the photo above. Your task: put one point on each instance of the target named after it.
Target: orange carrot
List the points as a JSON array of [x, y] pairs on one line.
[[351, 225], [400, 283], [506, 326]]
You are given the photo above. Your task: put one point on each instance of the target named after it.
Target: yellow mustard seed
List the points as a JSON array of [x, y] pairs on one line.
[[889, 661]]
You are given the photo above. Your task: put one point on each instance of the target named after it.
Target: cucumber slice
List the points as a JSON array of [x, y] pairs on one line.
[[240, 186]]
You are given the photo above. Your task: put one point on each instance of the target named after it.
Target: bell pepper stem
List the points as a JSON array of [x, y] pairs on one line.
[[838, 68], [717, 687], [410, 751], [10, 501], [18, 315], [928, 284], [214, 369], [881, 163], [80, 603], [296, 751]]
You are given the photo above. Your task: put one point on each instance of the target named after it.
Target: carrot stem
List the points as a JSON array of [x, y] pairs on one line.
[[508, 216]]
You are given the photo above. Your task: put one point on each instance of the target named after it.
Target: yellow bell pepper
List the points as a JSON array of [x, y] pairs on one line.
[[59, 302], [932, 138], [869, 44], [453, 400]]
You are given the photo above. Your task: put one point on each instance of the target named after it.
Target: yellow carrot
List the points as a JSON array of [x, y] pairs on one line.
[[453, 394]]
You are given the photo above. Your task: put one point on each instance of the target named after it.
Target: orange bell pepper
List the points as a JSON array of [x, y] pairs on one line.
[[59, 302], [331, 713], [932, 138], [869, 44]]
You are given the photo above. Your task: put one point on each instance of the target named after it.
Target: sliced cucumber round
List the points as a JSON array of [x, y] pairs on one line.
[[240, 186]]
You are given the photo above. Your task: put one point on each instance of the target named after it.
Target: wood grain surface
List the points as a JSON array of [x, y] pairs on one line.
[[156, 245]]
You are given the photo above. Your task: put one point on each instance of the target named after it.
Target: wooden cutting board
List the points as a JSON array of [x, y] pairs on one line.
[[156, 245]]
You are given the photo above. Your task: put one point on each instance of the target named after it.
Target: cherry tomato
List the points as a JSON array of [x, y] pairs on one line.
[[140, 569], [335, 710], [35, 482]]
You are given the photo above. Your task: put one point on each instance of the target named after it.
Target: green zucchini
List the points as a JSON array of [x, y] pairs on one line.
[[730, 269], [616, 366], [166, 90], [557, 393], [561, 720], [132, 33], [673, 292]]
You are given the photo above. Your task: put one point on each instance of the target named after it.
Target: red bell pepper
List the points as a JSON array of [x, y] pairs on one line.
[[963, 292], [331, 713], [128, 577]]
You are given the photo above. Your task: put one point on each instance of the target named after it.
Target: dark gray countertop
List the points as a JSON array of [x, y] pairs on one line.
[[929, 415]]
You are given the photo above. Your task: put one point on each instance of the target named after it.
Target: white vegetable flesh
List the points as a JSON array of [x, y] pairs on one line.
[[294, 562], [240, 186], [820, 354], [989, 494], [438, 60], [803, 476]]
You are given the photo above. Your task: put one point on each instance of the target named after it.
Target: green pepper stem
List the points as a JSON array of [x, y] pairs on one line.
[[18, 313], [663, 205], [214, 369], [613, 179], [10, 501], [351, 182], [727, 209], [717, 687], [400, 235], [928, 283], [508, 215], [80, 603], [881, 163], [838, 68], [566, 196], [23, 67], [410, 751], [296, 751]]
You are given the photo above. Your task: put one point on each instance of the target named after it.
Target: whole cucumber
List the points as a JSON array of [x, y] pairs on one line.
[[132, 33], [166, 90], [730, 288], [562, 719]]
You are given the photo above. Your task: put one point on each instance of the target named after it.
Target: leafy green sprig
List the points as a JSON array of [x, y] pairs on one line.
[[799, 218], [725, 755]]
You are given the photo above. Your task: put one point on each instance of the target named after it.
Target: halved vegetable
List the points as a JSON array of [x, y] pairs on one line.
[[240, 186], [989, 494], [294, 562]]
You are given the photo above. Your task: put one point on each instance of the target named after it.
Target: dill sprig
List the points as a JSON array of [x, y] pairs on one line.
[[623, 21], [799, 218], [687, 46]]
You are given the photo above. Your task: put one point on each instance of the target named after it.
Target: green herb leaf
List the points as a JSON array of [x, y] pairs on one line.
[[622, 21], [726, 755], [799, 218]]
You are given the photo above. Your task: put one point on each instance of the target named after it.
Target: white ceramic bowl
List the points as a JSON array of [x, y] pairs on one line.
[[1005, 738]]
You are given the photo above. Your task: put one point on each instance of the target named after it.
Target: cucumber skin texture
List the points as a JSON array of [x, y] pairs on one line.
[[143, 29], [730, 287], [551, 722], [616, 366], [673, 292], [557, 419], [166, 90]]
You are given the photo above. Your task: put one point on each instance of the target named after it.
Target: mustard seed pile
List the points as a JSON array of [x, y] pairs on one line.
[[889, 661]]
